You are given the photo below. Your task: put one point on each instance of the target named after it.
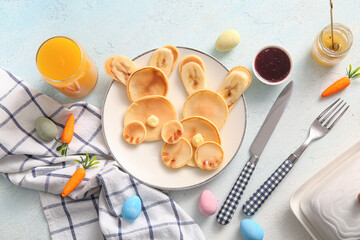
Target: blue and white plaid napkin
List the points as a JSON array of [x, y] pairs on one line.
[[93, 209]]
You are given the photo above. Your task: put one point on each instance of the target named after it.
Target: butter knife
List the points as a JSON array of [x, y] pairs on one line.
[[228, 208]]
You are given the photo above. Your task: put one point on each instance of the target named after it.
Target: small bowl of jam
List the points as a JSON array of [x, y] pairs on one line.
[[272, 65]]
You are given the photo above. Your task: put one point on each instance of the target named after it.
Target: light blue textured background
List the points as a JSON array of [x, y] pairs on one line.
[[105, 28]]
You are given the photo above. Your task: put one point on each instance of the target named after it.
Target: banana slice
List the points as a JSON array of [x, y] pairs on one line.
[[134, 132], [175, 53], [192, 73], [119, 67], [147, 81], [199, 125], [193, 77], [143, 108], [191, 58], [234, 85], [163, 59], [172, 131], [177, 155], [208, 104], [209, 155]]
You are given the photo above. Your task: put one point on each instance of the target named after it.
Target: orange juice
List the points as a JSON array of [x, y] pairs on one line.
[[322, 48], [64, 64]]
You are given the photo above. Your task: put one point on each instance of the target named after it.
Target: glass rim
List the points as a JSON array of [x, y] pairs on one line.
[[333, 53], [62, 80]]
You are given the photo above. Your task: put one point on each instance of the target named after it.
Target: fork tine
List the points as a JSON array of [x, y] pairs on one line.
[[331, 111], [332, 117], [327, 109], [341, 114]]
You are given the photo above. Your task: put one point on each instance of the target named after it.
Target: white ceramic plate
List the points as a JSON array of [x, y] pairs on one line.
[[143, 161], [304, 191]]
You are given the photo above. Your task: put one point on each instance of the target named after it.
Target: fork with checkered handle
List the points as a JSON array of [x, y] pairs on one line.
[[319, 128], [229, 206]]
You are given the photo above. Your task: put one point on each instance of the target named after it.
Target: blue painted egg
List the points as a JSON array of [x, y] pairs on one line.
[[131, 209], [251, 230]]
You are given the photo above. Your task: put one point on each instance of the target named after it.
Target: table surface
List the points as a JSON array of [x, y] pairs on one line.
[[106, 28]]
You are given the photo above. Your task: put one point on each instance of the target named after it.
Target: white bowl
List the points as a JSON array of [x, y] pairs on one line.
[[265, 80]]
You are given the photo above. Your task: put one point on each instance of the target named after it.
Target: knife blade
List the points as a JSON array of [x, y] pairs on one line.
[[228, 208], [271, 121]]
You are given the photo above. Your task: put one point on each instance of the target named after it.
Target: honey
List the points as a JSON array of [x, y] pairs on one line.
[[322, 49]]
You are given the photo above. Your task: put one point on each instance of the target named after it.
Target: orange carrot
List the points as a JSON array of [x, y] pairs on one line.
[[68, 130], [66, 136], [341, 83], [79, 174], [74, 181], [336, 86]]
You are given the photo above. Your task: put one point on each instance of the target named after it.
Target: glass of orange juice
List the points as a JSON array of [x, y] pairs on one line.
[[64, 64]]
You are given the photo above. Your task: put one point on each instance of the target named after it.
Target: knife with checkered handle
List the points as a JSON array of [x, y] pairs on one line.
[[229, 206], [259, 197]]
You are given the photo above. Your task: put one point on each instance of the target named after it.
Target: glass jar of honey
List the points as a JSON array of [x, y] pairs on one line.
[[64, 64], [322, 49]]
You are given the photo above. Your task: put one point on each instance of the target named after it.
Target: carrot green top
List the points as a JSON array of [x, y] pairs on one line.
[[87, 162], [354, 73]]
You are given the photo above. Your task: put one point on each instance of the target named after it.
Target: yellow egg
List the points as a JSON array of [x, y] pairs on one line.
[[227, 40]]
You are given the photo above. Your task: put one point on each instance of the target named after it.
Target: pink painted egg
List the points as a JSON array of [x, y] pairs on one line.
[[207, 203]]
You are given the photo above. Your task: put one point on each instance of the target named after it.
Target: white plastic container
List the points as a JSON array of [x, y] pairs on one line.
[[349, 161]]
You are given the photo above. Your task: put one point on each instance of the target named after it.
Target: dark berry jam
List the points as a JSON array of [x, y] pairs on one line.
[[272, 64]]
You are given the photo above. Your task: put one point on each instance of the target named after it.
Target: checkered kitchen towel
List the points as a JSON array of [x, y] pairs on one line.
[[93, 209]]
